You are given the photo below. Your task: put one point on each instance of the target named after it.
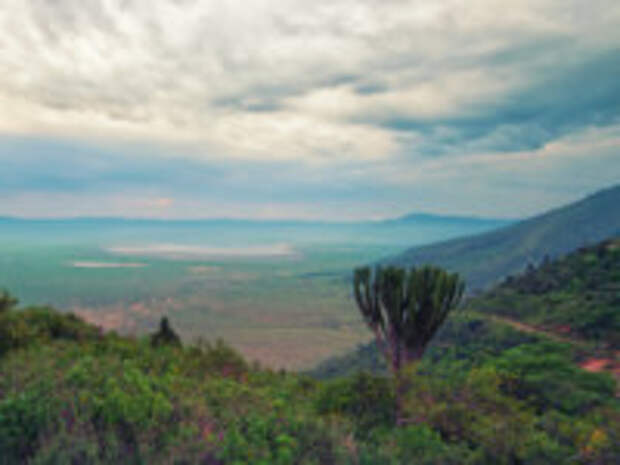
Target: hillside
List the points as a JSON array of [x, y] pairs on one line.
[[486, 394], [577, 296], [446, 220], [574, 299], [485, 258]]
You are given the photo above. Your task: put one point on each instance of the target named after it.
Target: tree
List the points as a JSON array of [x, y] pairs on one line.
[[165, 335], [404, 309], [7, 301]]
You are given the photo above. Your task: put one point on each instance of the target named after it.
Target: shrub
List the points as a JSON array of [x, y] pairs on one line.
[[544, 376], [367, 399]]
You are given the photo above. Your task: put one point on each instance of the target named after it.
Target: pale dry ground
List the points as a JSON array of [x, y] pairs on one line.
[[92, 264], [287, 348], [193, 252], [109, 320], [295, 338], [296, 349]]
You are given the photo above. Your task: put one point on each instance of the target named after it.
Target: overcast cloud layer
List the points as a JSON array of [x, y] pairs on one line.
[[323, 109]]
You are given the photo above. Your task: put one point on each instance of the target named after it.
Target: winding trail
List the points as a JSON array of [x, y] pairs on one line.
[[530, 329], [525, 328]]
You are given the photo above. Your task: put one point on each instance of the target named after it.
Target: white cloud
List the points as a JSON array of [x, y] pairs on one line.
[[200, 72], [289, 108]]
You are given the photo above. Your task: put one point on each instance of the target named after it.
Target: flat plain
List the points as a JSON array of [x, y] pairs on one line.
[[278, 292]]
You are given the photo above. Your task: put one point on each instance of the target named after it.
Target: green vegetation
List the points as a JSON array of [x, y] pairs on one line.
[[577, 296], [483, 394], [484, 259], [404, 309]]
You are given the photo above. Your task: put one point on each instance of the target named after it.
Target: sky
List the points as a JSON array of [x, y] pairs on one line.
[[329, 109]]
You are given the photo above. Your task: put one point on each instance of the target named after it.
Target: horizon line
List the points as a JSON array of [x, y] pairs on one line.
[[404, 217]]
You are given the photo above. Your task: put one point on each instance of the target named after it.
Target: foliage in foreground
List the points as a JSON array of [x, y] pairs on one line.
[[69, 394]]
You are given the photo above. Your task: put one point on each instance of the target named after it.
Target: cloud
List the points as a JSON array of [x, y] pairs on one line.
[[159, 202], [281, 79], [68, 180], [302, 108]]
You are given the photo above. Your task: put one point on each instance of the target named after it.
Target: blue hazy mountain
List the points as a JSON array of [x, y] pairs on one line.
[[484, 258]]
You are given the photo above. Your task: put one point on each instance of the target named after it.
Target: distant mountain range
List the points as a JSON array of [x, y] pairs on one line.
[[485, 258], [371, 239], [433, 218], [421, 218]]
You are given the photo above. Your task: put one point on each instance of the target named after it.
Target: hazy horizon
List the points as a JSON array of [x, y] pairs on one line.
[[412, 216], [407, 216]]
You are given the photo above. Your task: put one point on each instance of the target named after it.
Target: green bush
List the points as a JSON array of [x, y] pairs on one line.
[[367, 399], [20, 328], [24, 417], [544, 376], [416, 444], [217, 359], [72, 395]]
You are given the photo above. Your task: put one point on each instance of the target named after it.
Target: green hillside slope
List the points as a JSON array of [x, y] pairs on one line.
[[70, 394], [577, 296], [485, 258], [574, 299]]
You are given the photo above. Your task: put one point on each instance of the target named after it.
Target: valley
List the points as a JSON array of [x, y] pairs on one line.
[[279, 292]]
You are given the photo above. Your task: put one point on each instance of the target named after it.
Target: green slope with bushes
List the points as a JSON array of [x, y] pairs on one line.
[[577, 296], [574, 299], [484, 394]]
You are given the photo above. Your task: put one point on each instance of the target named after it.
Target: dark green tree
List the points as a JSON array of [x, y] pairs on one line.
[[404, 309], [165, 335], [7, 301]]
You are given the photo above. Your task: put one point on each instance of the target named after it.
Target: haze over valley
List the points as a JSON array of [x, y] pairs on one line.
[[270, 288]]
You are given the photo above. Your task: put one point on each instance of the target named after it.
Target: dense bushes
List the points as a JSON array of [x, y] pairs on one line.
[[544, 376], [69, 394], [497, 395], [366, 399], [40, 325], [578, 294]]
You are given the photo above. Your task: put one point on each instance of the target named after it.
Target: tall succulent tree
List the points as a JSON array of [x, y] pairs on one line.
[[404, 309]]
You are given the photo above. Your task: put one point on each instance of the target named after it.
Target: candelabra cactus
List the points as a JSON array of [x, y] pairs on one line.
[[404, 309]]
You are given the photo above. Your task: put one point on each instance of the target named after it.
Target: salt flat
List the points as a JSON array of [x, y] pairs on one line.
[[91, 264], [184, 251]]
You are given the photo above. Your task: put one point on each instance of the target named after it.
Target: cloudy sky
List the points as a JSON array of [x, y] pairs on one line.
[[331, 109]]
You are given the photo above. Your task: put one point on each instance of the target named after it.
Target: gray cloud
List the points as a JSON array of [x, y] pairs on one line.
[[185, 65], [567, 99], [341, 99]]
